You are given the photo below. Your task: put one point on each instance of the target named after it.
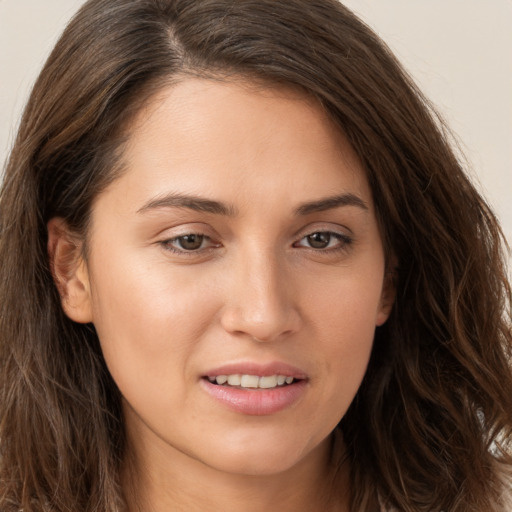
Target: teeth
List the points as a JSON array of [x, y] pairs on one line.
[[234, 380], [268, 382], [252, 381], [249, 381]]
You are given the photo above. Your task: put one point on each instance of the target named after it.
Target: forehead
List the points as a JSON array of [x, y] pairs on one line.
[[223, 138]]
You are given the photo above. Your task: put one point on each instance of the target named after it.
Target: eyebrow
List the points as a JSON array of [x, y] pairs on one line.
[[200, 204], [191, 202], [329, 203]]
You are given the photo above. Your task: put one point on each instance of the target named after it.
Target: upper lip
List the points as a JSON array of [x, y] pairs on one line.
[[253, 368]]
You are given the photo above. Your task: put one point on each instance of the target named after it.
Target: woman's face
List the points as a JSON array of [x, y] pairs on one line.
[[240, 243]]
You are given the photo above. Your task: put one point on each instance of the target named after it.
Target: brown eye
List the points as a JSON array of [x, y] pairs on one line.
[[325, 241], [319, 240], [190, 242]]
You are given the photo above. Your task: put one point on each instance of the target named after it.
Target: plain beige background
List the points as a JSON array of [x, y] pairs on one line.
[[459, 51]]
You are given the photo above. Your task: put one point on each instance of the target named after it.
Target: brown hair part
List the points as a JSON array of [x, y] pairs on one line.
[[430, 427]]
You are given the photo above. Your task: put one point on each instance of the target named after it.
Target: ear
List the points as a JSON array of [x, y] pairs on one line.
[[69, 271], [387, 298]]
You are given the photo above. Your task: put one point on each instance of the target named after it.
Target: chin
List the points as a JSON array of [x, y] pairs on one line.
[[261, 466], [267, 455]]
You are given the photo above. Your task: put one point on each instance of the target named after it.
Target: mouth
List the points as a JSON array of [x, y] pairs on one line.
[[255, 389], [254, 382]]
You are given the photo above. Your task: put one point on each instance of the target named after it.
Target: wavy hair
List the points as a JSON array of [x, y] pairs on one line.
[[430, 427]]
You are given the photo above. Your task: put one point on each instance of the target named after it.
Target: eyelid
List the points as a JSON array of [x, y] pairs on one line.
[[342, 233], [343, 238], [320, 227], [181, 228], [168, 244], [169, 238]]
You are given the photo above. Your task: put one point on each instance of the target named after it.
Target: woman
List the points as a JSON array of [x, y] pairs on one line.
[[241, 269]]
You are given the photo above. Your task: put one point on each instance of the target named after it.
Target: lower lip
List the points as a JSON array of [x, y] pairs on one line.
[[256, 402]]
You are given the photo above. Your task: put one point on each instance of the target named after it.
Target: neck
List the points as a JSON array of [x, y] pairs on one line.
[[158, 480]]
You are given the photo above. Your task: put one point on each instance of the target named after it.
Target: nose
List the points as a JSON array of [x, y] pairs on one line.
[[260, 303]]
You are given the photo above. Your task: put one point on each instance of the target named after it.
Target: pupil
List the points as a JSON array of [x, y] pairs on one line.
[[191, 242], [319, 240]]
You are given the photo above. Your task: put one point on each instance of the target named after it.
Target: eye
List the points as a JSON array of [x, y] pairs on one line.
[[191, 242], [324, 240]]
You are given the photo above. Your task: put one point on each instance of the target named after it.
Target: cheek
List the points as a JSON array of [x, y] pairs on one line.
[[147, 320], [346, 351], [347, 304], [344, 329]]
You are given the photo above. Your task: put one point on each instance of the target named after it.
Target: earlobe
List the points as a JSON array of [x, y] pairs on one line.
[[387, 298], [69, 271]]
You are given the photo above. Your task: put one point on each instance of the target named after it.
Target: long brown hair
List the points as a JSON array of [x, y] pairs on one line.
[[430, 427]]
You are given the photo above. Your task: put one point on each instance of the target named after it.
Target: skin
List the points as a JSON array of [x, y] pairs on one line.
[[255, 290]]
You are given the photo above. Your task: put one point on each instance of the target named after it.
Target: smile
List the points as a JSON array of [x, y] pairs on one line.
[[255, 389], [251, 381]]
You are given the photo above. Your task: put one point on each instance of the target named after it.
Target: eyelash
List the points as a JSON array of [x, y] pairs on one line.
[[167, 244], [344, 242]]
